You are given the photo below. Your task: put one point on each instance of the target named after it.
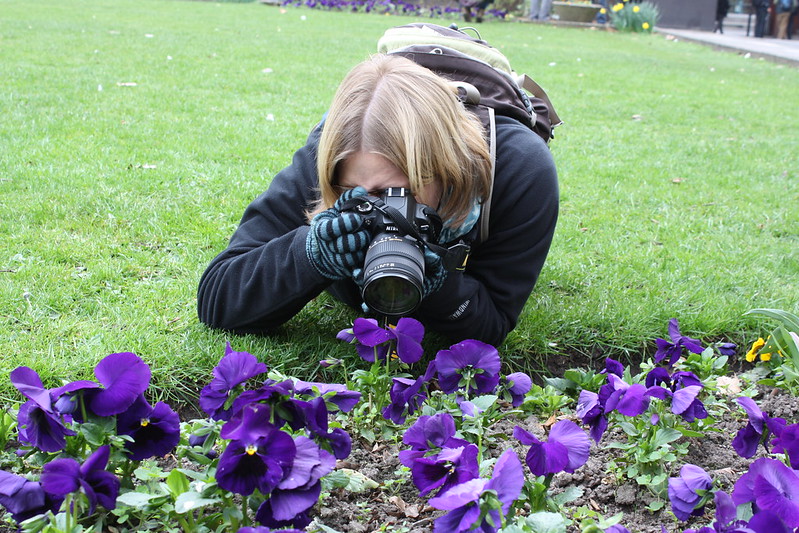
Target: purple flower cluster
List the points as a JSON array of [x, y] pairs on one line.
[[757, 430], [467, 368], [45, 418], [565, 450], [770, 487], [480, 504], [672, 351], [681, 388], [373, 342], [50, 416], [689, 491], [387, 7], [436, 458], [260, 455]]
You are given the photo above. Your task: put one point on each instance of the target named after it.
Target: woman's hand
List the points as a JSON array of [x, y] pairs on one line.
[[337, 242]]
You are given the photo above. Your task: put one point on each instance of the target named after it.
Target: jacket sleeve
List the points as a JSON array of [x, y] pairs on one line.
[[264, 277], [484, 302]]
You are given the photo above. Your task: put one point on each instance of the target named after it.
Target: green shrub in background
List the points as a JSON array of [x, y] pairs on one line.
[[632, 16]]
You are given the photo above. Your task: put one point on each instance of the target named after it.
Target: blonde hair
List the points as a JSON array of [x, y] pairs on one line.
[[393, 107]]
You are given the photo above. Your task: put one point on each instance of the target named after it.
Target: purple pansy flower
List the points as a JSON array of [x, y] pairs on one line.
[[463, 500], [339, 440], [258, 455], [757, 430], [124, 377], [770, 486], [566, 448], [408, 395], [39, 424], [687, 491], [726, 518], [155, 430], [25, 499], [300, 488], [671, 351], [629, 400], [682, 387], [373, 342], [616, 528], [727, 348], [468, 365], [613, 366], [233, 369], [767, 522], [41, 428], [788, 443], [429, 432], [265, 516], [335, 393], [445, 469], [592, 412], [517, 385], [64, 476], [279, 395]]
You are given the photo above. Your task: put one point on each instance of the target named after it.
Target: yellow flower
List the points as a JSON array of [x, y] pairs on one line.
[[751, 355], [645, 25], [618, 7], [603, 10], [765, 357], [636, 9]]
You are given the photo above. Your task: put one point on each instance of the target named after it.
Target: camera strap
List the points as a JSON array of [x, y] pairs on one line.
[[453, 258]]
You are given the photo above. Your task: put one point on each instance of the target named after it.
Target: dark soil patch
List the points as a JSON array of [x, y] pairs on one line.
[[397, 508]]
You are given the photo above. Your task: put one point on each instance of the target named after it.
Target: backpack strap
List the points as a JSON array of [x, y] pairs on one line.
[[485, 209]]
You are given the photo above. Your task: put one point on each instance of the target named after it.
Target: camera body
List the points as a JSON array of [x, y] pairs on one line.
[[394, 268]]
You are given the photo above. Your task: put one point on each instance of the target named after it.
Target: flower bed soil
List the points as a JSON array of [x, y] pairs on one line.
[[392, 508]]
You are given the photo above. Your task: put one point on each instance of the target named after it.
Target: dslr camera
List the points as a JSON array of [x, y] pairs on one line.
[[393, 271]]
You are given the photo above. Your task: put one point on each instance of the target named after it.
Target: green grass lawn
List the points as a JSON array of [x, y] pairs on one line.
[[134, 133]]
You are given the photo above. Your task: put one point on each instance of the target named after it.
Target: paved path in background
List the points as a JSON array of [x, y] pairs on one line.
[[735, 39]]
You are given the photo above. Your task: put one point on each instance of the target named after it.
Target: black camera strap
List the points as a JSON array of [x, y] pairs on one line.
[[453, 258]]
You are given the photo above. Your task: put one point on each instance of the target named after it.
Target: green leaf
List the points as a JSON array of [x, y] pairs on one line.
[[138, 500], [148, 472], [629, 429], [569, 495], [658, 479], [485, 401], [790, 320], [664, 436], [544, 522], [656, 505], [192, 500], [561, 384], [177, 482], [93, 433]]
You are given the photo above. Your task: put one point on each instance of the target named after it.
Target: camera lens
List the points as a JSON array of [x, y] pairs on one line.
[[393, 275]]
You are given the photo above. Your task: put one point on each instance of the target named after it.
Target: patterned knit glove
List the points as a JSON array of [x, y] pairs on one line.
[[336, 243], [434, 272]]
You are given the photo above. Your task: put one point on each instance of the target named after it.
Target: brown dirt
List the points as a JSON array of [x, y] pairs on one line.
[[392, 508]]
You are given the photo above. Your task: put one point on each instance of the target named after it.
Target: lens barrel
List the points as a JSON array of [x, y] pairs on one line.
[[393, 275]]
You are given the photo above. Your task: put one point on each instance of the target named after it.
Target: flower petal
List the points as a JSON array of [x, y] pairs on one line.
[[575, 440], [125, 376]]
